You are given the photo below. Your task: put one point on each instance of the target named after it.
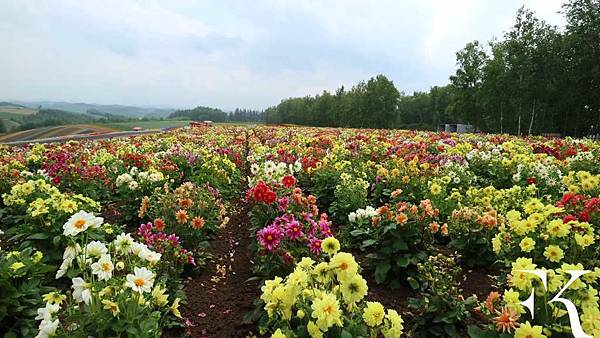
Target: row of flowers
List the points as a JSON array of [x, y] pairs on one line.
[[323, 293], [74, 259], [417, 209], [399, 198]]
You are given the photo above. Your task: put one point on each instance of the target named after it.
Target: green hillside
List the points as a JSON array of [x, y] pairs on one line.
[[113, 109], [15, 117]]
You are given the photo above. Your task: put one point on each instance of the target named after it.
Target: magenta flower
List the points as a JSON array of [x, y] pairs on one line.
[[283, 204], [293, 230], [313, 227], [325, 228], [269, 237], [314, 244], [174, 240], [145, 230]]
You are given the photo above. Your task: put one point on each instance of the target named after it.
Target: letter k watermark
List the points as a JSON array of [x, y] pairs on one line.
[[571, 309]]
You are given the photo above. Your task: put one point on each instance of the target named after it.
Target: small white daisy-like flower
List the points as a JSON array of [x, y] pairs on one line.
[[79, 222], [103, 268], [141, 280], [81, 291]]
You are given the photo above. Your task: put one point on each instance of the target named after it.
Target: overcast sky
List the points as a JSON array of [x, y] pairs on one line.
[[231, 54]]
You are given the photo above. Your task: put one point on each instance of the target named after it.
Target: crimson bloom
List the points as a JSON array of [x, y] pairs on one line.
[[314, 245], [269, 237], [289, 181], [262, 193]]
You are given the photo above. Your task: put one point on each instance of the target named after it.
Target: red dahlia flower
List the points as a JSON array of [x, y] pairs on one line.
[[289, 181]]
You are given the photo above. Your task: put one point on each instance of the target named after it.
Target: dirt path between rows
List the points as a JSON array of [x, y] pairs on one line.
[[220, 297], [224, 293]]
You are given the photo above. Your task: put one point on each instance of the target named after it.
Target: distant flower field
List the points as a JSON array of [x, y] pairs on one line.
[[230, 231]]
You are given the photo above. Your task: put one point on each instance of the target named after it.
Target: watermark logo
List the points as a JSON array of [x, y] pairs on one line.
[[571, 309]]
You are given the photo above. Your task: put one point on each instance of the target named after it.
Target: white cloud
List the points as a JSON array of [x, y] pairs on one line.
[[235, 53]]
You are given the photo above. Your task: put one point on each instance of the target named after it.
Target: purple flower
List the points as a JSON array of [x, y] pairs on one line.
[[293, 230], [145, 230], [313, 227], [269, 237], [173, 239], [283, 203], [214, 191], [314, 245], [325, 227], [449, 141]]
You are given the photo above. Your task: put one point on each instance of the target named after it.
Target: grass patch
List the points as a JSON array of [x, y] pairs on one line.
[[17, 110]]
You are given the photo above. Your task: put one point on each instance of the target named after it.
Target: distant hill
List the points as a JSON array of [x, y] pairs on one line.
[[12, 115], [4, 104], [14, 118], [100, 114], [11, 108], [47, 117], [115, 109]]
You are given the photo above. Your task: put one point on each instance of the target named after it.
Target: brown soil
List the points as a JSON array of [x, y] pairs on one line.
[[396, 299], [222, 295], [111, 214], [479, 282]]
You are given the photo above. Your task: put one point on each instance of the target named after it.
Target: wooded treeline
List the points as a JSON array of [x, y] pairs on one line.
[[202, 113], [536, 78]]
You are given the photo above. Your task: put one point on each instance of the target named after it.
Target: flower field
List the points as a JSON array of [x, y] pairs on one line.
[[232, 231]]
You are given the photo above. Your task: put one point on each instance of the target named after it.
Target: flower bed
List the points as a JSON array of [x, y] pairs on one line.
[[98, 234]]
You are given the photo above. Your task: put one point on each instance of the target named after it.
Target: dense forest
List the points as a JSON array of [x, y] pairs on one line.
[[246, 115], [535, 79], [200, 114]]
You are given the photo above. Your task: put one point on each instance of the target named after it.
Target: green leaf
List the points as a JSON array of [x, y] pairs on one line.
[[357, 232], [400, 244], [403, 261], [369, 242], [471, 301], [475, 332], [450, 330], [132, 331], [346, 334], [381, 271], [413, 283], [391, 226], [38, 236]]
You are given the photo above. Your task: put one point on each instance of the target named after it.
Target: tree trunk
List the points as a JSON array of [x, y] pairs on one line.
[[519, 130], [501, 116], [532, 117]]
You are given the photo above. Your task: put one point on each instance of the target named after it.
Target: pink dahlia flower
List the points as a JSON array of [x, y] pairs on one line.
[[269, 237]]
